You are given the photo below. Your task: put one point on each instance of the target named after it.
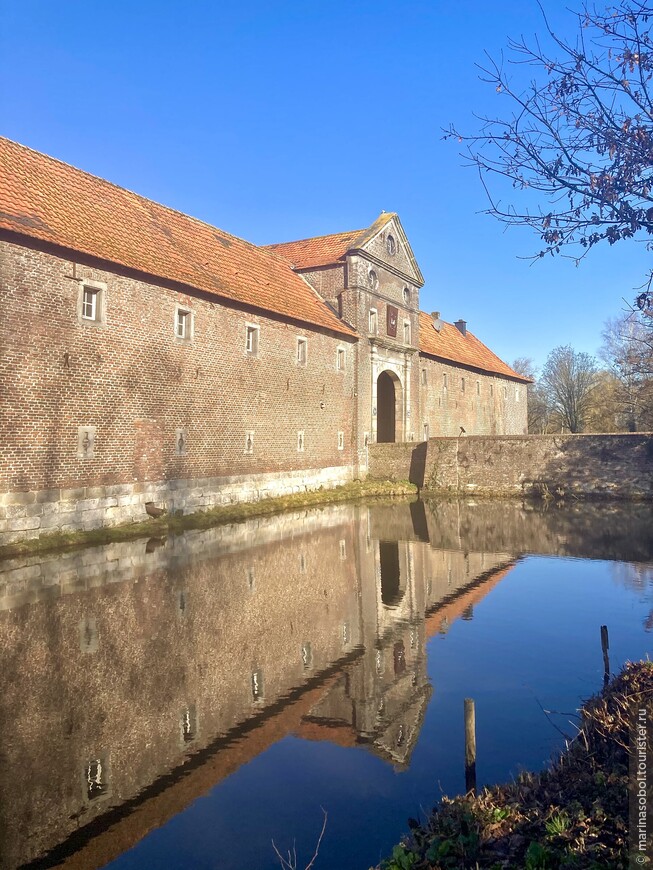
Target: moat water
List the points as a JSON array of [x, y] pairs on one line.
[[189, 702]]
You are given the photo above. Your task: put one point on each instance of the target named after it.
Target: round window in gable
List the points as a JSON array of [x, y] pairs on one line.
[[406, 295], [391, 245], [373, 279]]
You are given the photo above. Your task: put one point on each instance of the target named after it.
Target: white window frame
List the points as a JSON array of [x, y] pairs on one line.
[[183, 315], [301, 353], [96, 291], [252, 335], [374, 321]]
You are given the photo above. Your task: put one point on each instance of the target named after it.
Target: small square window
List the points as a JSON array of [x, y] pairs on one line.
[[341, 440], [374, 321], [91, 302], [251, 340], [96, 776], [300, 441], [302, 348], [188, 724], [86, 442], [257, 685], [180, 442], [340, 359], [183, 324], [307, 656], [249, 441]]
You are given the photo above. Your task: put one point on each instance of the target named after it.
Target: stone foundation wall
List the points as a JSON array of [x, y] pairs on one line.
[[608, 466], [27, 515]]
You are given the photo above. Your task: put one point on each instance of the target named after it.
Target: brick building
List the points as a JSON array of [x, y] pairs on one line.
[[147, 356]]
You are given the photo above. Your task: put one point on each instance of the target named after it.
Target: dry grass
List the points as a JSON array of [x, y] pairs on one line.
[[574, 815]]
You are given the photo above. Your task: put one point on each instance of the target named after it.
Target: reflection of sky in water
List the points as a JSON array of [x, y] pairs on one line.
[[637, 578], [533, 642]]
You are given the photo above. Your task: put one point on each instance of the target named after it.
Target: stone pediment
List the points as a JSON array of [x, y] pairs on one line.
[[385, 243]]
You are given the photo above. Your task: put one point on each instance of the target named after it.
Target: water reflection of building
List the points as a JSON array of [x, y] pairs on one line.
[[137, 676]]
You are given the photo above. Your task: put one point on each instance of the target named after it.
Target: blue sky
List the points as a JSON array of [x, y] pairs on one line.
[[281, 120]]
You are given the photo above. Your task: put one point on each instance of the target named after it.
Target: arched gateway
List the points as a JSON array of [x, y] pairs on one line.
[[389, 406]]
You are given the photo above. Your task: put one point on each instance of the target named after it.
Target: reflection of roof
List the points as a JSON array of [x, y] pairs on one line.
[[48, 200], [327, 250], [119, 828], [450, 344], [454, 607]]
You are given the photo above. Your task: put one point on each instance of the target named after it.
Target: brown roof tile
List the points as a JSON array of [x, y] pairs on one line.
[[318, 251], [326, 250], [45, 199], [451, 345]]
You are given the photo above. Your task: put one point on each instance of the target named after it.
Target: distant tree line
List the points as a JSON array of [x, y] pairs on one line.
[[576, 392]]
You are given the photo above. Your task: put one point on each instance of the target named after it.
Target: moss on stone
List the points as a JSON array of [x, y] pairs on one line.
[[220, 515]]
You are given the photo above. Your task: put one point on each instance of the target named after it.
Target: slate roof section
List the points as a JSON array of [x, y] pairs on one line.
[[45, 199], [451, 345]]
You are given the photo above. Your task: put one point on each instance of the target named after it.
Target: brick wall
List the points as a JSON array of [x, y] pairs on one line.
[[136, 386], [483, 405]]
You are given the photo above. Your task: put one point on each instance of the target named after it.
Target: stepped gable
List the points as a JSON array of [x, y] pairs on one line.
[[50, 201], [451, 345]]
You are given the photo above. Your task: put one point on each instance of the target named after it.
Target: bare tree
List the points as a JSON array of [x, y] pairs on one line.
[[628, 351], [569, 380], [539, 411], [580, 135]]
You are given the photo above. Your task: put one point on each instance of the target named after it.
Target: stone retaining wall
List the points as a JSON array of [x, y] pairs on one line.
[[608, 466], [27, 515]]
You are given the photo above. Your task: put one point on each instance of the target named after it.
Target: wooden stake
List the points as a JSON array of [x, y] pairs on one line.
[[605, 646], [470, 745]]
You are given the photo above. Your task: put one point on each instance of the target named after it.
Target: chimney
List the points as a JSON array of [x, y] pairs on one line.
[[437, 323], [461, 326]]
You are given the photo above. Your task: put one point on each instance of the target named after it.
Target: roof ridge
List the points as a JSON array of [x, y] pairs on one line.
[[314, 238], [133, 193]]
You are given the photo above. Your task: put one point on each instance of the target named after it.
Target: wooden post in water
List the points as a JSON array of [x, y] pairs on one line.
[[470, 745], [605, 646]]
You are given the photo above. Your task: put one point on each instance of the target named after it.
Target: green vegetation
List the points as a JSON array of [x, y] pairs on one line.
[[574, 815], [233, 513]]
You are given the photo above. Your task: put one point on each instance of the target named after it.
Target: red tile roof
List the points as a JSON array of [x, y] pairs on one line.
[[318, 251], [451, 345], [326, 250], [46, 199]]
